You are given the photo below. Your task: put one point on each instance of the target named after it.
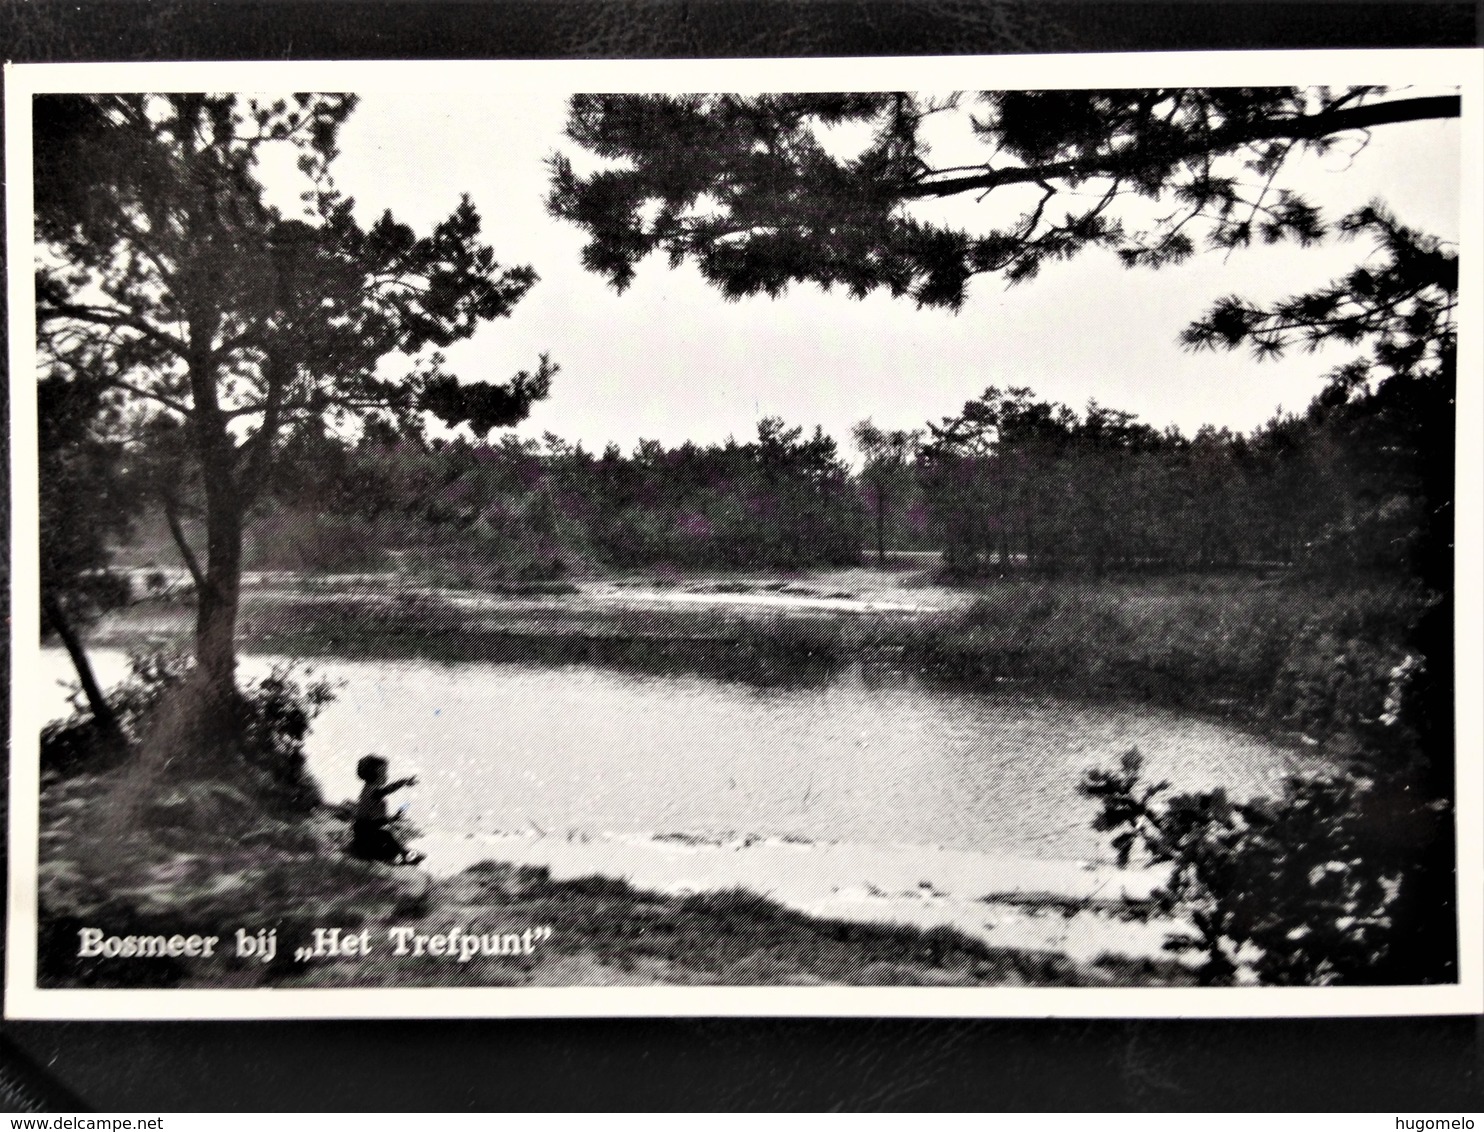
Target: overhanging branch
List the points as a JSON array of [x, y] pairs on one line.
[[1220, 140]]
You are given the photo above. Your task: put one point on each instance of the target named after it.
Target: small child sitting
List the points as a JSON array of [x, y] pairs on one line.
[[370, 837]]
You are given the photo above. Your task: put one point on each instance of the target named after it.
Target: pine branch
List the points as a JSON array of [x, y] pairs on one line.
[[1220, 140]]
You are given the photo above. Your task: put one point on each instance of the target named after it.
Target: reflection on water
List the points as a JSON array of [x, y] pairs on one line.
[[873, 756]]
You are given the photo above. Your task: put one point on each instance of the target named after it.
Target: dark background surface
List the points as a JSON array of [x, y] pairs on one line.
[[1407, 1065]]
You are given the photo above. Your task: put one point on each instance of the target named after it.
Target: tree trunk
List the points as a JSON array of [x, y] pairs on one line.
[[216, 604], [182, 544], [1002, 535], [216, 599], [880, 526], [103, 715]]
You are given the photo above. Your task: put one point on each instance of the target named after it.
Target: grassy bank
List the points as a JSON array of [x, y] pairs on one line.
[[795, 650]]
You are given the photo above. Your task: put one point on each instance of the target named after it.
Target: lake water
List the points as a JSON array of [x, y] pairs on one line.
[[875, 757]]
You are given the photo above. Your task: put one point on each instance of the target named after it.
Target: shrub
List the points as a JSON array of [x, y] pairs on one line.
[[1329, 882], [1273, 888], [70, 746], [275, 715], [273, 718]]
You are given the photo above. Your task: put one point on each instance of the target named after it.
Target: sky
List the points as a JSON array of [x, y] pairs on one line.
[[669, 359]]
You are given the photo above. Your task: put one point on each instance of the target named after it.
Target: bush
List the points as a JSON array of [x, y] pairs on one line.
[[273, 718], [1337, 666], [71, 746], [1271, 888], [1331, 882], [495, 567]]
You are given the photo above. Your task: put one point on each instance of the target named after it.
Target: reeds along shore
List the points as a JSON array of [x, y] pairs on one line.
[[1305, 657]]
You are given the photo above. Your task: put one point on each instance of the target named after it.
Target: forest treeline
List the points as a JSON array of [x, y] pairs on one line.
[[522, 509], [1012, 482]]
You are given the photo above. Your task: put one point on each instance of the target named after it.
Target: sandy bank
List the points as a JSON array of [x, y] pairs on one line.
[[1082, 910]]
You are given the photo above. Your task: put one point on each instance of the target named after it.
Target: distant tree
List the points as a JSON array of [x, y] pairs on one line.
[[989, 473], [746, 188], [1109, 448], [203, 303], [963, 474], [889, 461], [801, 504], [523, 510]]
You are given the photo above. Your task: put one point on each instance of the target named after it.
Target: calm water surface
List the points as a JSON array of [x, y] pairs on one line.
[[876, 757]]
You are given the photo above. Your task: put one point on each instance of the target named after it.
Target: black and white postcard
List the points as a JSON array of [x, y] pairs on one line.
[[936, 536]]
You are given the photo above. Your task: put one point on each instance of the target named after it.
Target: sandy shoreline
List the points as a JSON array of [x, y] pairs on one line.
[[843, 591], [1080, 909]]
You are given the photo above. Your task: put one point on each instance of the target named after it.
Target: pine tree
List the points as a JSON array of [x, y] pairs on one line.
[[202, 303]]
